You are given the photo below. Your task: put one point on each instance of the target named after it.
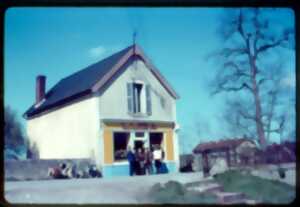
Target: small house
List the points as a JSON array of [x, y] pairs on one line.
[[120, 101]]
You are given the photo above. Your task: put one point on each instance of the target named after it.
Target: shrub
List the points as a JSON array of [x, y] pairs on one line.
[[14, 138], [267, 191], [176, 193], [281, 172]]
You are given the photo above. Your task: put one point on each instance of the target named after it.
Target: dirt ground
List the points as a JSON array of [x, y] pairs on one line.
[[89, 191]]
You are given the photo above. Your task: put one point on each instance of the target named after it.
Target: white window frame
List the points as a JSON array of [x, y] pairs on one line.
[[143, 98]]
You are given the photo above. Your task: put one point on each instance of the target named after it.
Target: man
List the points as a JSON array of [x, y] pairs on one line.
[[140, 157], [157, 155], [148, 161], [131, 160], [64, 170]]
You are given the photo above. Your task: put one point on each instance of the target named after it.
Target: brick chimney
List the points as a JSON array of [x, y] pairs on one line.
[[40, 88]]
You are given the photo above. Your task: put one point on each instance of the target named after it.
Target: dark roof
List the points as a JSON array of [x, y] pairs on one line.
[[284, 152], [82, 82], [221, 144]]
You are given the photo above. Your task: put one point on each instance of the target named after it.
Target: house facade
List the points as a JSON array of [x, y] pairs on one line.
[[99, 111]]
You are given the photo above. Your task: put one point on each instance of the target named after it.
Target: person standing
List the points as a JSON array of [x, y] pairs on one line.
[[157, 155], [131, 159], [148, 161], [141, 161]]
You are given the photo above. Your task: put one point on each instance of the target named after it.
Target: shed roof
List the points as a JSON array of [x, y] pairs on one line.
[[92, 79], [219, 145]]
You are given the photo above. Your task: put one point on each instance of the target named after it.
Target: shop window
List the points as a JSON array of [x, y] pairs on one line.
[[121, 140]]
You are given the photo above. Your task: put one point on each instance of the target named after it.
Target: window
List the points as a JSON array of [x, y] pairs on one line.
[[120, 145], [140, 134], [139, 98]]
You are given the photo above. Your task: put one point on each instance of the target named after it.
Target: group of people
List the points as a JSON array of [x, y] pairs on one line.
[[141, 160], [65, 171]]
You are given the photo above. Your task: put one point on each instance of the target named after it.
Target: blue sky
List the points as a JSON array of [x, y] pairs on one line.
[[57, 42]]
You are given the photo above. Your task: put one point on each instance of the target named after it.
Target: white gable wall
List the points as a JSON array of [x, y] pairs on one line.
[[113, 102], [69, 132], [73, 131]]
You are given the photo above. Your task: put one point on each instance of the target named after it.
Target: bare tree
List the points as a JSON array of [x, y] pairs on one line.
[[201, 128], [234, 114], [13, 134], [248, 42]]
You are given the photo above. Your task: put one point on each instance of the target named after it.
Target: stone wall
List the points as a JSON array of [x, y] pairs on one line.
[[38, 169], [271, 172]]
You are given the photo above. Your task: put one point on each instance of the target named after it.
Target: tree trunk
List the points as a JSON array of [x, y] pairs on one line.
[[258, 116], [258, 111]]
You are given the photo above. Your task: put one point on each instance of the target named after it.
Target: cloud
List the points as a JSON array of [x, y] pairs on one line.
[[288, 81], [101, 51], [97, 52]]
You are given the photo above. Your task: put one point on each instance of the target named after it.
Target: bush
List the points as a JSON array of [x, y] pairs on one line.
[[168, 193], [174, 192], [14, 139], [267, 191], [32, 150], [281, 172]]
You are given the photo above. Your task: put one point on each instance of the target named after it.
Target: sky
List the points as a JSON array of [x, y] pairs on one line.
[[57, 42]]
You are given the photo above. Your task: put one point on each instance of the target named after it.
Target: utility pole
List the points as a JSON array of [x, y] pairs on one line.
[[134, 37], [134, 46], [134, 40]]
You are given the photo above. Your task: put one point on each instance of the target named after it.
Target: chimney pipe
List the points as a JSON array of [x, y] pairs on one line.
[[40, 88]]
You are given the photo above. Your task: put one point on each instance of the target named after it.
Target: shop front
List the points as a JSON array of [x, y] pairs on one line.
[[118, 137]]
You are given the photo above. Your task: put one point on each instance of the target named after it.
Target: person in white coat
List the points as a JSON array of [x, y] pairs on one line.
[[157, 156]]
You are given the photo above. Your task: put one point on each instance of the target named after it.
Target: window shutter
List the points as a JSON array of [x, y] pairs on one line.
[[148, 100], [130, 97]]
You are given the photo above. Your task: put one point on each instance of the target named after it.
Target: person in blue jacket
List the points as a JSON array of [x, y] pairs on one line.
[[131, 160]]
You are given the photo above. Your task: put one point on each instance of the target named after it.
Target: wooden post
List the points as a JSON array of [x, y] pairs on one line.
[[235, 156], [205, 164], [228, 157]]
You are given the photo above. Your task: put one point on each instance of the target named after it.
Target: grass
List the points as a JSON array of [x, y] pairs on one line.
[[175, 193], [267, 191]]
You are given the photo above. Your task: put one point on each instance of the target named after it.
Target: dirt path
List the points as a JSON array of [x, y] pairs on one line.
[[81, 191]]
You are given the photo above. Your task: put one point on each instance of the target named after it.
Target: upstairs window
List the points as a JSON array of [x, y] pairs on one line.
[[139, 98]]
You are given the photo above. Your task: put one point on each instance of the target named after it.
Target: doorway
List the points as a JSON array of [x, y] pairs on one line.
[[138, 144], [155, 139]]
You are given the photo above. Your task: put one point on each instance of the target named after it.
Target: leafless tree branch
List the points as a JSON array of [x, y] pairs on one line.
[[246, 115], [227, 52]]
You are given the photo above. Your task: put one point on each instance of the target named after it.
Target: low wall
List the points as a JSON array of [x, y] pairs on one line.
[[38, 169], [271, 172]]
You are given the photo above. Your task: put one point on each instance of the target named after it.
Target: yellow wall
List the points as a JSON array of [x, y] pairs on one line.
[[169, 144], [108, 142], [108, 146]]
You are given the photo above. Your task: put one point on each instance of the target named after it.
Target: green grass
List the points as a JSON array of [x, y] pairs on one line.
[[267, 191], [175, 193]]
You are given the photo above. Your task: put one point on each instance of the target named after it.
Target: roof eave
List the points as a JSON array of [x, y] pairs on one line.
[[135, 50]]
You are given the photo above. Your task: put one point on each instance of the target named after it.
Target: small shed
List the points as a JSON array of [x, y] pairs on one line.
[[227, 146]]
